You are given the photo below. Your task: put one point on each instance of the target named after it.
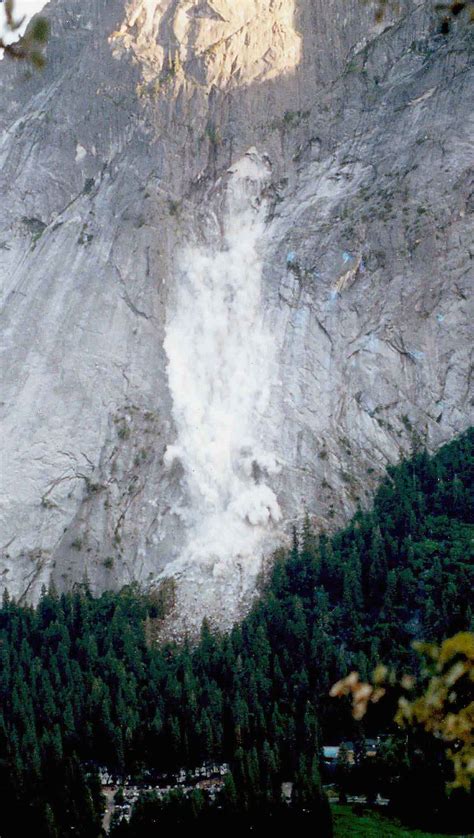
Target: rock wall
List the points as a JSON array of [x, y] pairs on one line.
[[110, 164]]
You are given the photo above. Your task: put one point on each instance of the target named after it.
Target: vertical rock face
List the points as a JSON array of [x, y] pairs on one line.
[[136, 250]]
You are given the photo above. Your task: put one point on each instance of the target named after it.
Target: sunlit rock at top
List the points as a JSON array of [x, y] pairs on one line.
[[212, 42]]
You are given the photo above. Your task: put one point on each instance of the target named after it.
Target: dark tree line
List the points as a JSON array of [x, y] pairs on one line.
[[81, 684]]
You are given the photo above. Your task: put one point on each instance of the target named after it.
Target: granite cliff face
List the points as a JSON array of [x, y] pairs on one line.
[[319, 164]]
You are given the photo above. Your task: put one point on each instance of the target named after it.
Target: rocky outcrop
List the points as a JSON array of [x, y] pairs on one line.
[[111, 161]]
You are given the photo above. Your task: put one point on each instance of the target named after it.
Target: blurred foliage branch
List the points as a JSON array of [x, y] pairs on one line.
[[447, 11], [30, 46], [445, 706]]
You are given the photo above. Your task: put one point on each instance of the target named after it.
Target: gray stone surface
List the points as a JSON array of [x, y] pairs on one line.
[[107, 162]]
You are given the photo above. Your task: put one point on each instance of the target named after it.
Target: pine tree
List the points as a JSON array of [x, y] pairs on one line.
[[343, 773], [378, 568], [229, 797]]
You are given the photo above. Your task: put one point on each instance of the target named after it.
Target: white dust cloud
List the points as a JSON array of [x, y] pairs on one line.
[[221, 365]]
